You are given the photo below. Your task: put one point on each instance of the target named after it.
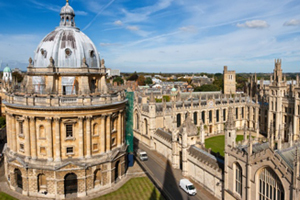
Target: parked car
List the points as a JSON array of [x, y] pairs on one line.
[[187, 186], [142, 155]]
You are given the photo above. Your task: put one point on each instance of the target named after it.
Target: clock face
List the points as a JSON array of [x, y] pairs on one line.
[[210, 104]]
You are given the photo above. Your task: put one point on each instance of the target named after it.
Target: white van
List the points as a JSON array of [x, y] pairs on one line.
[[142, 155], [187, 186]]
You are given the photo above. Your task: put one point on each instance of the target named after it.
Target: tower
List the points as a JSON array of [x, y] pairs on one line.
[[230, 130], [229, 81]]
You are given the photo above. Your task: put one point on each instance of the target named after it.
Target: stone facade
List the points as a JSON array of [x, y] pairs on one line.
[[65, 128], [229, 81]]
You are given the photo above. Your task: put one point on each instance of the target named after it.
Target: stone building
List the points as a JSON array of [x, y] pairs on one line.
[[65, 127], [229, 81]]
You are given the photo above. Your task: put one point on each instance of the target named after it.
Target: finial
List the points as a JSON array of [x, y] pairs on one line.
[[67, 1]]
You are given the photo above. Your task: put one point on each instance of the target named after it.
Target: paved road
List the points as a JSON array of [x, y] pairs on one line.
[[165, 177]]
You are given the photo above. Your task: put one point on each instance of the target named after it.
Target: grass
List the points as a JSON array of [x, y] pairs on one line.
[[135, 189], [217, 143], [4, 196]]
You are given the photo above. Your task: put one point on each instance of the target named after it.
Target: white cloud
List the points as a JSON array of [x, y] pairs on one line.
[[83, 13], [109, 44], [253, 24], [292, 22], [190, 29], [118, 22], [132, 28]]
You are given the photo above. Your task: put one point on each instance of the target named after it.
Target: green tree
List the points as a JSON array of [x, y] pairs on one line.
[[141, 80], [18, 76], [2, 122], [148, 81], [209, 87], [118, 80], [133, 77]]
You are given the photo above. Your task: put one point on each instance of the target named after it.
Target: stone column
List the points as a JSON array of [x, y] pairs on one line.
[[119, 129], [88, 136], [108, 132], [102, 134], [57, 139], [13, 134], [49, 138], [80, 133], [27, 137], [33, 137], [8, 130]]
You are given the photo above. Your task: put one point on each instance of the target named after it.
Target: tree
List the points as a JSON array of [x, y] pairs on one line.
[[148, 81], [133, 77], [209, 87], [141, 80], [119, 80], [18, 76]]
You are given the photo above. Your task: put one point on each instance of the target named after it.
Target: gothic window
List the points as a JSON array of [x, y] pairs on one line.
[[217, 115], [137, 122], [146, 126], [210, 116], [270, 186], [238, 179], [42, 183], [224, 114], [203, 117], [69, 130], [242, 112], [195, 118], [178, 120], [237, 113]]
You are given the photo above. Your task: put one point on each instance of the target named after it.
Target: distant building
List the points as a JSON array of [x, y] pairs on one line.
[[229, 81]]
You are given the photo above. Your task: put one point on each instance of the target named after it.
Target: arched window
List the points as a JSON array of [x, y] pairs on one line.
[[95, 129], [195, 118], [178, 120], [137, 121], [145, 127], [270, 186], [97, 178], [238, 179], [42, 132], [42, 184], [18, 178]]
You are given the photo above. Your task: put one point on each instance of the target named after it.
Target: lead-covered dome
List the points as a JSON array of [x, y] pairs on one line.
[[66, 45]]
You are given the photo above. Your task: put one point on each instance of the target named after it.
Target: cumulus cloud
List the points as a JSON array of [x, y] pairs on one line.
[[190, 29], [253, 24], [132, 28], [292, 22], [118, 22]]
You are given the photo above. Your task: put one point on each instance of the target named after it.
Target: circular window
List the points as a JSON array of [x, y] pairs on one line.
[[68, 52]]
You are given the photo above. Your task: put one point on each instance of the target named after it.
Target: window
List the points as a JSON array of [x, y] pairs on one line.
[[68, 52], [270, 186], [243, 112], [95, 147], [95, 129], [69, 150], [210, 116], [195, 118], [237, 113], [178, 120], [146, 126], [21, 128], [203, 117], [217, 115], [43, 150], [42, 132], [69, 130], [22, 147], [137, 122], [113, 141], [68, 85], [238, 179], [42, 183], [224, 114]]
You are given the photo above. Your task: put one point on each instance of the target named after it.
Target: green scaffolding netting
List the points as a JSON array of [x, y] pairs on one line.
[[129, 121]]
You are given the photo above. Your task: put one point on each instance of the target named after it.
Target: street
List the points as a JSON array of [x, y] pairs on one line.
[[166, 178]]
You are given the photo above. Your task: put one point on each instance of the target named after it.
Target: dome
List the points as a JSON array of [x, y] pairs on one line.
[[7, 69], [173, 89], [67, 46]]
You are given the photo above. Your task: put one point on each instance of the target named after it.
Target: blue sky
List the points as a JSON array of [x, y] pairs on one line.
[[164, 35]]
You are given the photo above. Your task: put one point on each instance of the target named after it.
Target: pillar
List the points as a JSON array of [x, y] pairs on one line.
[[88, 136], [108, 132], [33, 137], [80, 133], [27, 139], [13, 133], [49, 138], [119, 139], [102, 134], [8, 130], [57, 139]]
